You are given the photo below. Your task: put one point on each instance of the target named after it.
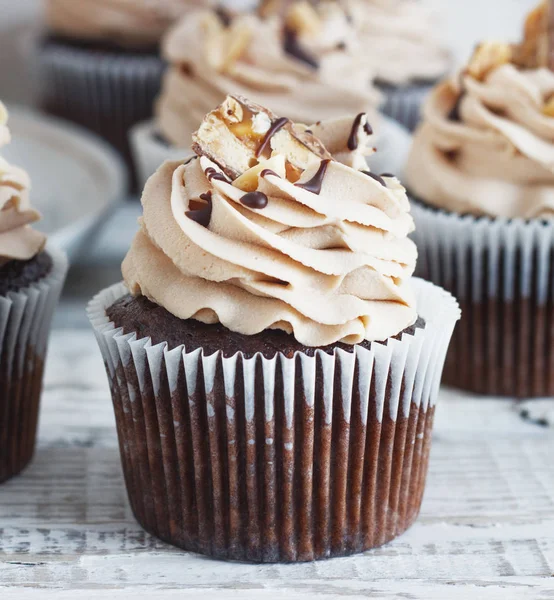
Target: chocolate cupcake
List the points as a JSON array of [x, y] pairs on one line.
[[100, 62], [481, 170], [31, 279], [273, 366], [304, 64], [400, 40]]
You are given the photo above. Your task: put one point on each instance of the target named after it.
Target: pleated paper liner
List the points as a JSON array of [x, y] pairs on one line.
[[25, 319], [105, 91], [283, 459], [404, 103], [502, 272]]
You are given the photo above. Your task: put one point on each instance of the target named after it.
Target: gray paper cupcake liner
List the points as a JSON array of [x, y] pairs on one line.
[[502, 272], [282, 459], [404, 103], [25, 319], [105, 91]]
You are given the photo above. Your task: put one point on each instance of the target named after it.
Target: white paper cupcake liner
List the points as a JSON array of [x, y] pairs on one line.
[[502, 272], [25, 319], [283, 459], [105, 91], [150, 152], [404, 103]]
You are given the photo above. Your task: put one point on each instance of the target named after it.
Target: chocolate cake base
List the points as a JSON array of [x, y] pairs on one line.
[[18, 274], [20, 391], [503, 349], [503, 345], [147, 319], [268, 455], [25, 313]]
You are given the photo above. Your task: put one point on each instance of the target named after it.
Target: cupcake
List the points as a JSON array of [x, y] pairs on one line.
[[400, 38], [100, 61], [273, 366], [31, 278], [304, 64], [482, 172]]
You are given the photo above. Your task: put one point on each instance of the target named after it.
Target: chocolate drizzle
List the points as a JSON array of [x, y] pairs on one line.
[[315, 183], [203, 215], [454, 114], [292, 46], [377, 178], [211, 174], [223, 15], [275, 127], [266, 172], [257, 200], [353, 140]]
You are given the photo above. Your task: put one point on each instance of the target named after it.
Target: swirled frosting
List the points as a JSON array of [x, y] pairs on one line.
[[404, 34], [324, 257], [18, 241], [486, 147], [136, 23], [316, 72]]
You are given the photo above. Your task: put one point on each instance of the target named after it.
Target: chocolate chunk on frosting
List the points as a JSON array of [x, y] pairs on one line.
[[294, 240]]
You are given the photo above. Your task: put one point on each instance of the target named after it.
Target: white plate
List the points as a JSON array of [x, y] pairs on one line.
[[77, 179]]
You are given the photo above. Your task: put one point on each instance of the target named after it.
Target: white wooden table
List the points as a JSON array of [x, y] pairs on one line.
[[66, 530]]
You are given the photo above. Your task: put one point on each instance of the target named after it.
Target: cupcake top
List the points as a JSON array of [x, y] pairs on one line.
[[18, 241], [265, 229], [400, 37], [305, 64], [133, 23], [486, 146]]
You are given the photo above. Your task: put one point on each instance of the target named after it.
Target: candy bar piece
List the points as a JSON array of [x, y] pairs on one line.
[[537, 48], [487, 57], [238, 134]]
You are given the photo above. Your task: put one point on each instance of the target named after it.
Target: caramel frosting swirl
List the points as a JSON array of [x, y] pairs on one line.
[[18, 241], [325, 257], [400, 35], [134, 23], [315, 71], [486, 146]]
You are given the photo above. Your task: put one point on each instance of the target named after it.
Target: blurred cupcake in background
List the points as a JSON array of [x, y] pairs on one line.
[[482, 171], [100, 62], [400, 38], [31, 279], [287, 363], [303, 63]]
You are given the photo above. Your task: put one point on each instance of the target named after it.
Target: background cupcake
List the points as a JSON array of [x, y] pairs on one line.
[[482, 168], [99, 63], [304, 64], [287, 364], [399, 38], [31, 279]]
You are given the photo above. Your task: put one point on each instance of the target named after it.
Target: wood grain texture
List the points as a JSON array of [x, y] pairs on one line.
[[486, 529]]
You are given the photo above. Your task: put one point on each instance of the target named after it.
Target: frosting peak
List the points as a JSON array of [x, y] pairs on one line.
[[295, 240], [486, 145], [307, 66], [18, 241]]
